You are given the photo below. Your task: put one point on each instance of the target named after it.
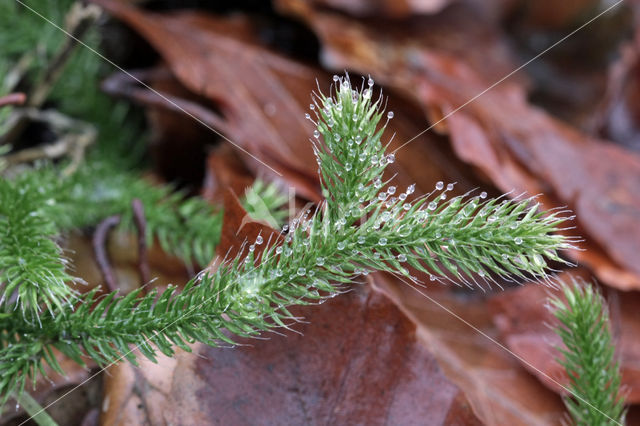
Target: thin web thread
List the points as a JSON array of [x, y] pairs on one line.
[[146, 86]]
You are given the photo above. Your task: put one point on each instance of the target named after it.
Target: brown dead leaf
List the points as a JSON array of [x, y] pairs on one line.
[[356, 361], [525, 325], [458, 330], [516, 145], [263, 98]]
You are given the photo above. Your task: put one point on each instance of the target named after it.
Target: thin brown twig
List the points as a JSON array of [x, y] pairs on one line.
[[100, 250], [77, 136], [141, 224], [78, 21], [13, 99]]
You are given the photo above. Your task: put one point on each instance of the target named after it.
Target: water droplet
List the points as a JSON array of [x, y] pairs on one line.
[[285, 228], [288, 252], [432, 277], [382, 241], [316, 134], [443, 196], [376, 255], [483, 195], [402, 257], [382, 196], [259, 240], [439, 185], [406, 206], [402, 196], [432, 205], [492, 219], [363, 156], [391, 190], [339, 107], [481, 273], [391, 158], [411, 189], [517, 240], [361, 239], [252, 248], [278, 273], [348, 167], [377, 183], [335, 77], [505, 256], [278, 250], [312, 107], [301, 271], [320, 261], [390, 115], [370, 82], [374, 159], [341, 245], [307, 116]]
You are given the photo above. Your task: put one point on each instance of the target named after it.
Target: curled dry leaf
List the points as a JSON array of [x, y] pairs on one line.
[[525, 324], [458, 330], [519, 147]]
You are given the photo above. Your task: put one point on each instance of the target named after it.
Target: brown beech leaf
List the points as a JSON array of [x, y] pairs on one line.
[[458, 330], [525, 324], [263, 98], [355, 361], [517, 146]]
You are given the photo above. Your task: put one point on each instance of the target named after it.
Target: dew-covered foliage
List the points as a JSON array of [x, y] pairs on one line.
[[588, 356], [365, 224]]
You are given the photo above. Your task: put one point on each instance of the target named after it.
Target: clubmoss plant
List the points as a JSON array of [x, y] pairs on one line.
[[588, 356], [365, 224]]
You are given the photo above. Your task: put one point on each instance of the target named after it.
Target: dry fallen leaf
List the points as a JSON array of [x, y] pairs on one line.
[[356, 361], [525, 325], [458, 330]]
